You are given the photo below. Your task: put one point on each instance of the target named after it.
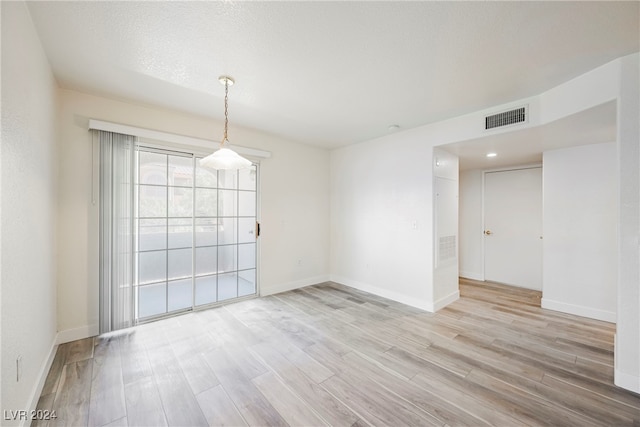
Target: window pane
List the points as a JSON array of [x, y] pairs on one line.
[[227, 286], [221, 237], [206, 261], [228, 202], [152, 201], [228, 179], [246, 282], [247, 203], [246, 256], [181, 171], [227, 231], [206, 202], [206, 232], [247, 179], [152, 266], [205, 177], [246, 230], [152, 300], [180, 263], [153, 168], [227, 258], [180, 294], [180, 202], [180, 233], [205, 290], [152, 234]]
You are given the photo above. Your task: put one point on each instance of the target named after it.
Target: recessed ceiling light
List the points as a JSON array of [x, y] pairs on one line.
[[491, 154]]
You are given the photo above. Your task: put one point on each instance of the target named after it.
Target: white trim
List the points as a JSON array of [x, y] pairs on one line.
[[471, 275], [626, 381], [171, 137], [283, 287], [513, 168], [622, 379], [42, 377], [82, 332], [579, 310], [445, 301], [169, 147], [372, 289]]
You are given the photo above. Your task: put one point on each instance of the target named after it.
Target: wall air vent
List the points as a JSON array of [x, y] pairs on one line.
[[511, 117]]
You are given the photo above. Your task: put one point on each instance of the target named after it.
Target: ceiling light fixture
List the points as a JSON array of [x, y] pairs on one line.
[[225, 158], [491, 154]]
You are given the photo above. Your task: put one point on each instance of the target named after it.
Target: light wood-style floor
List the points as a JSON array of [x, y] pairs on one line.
[[331, 355]]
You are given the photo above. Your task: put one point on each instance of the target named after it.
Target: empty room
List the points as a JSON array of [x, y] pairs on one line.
[[320, 213]]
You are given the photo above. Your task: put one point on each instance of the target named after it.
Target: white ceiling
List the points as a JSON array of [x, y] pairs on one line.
[[330, 73], [523, 147]]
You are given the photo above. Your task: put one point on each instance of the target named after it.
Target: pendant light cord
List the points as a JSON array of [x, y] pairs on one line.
[[226, 112]]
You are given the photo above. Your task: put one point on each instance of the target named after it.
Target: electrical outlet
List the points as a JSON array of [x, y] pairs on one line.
[[18, 368]]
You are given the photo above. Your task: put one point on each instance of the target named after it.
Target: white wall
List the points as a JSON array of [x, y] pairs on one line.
[[561, 260], [446, 242], [580, 250], [379, 188], [374, 184], [616, 80], [627, 350], [294, 204], [28, 240], [367, 229], [381, 218], [471, 237]]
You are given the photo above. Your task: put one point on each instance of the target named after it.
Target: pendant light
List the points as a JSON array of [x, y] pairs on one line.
[[225, 158]]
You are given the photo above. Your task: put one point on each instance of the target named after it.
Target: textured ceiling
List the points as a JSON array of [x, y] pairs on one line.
[[330, 73]]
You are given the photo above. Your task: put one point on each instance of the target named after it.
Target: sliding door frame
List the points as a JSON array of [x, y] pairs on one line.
[[194, 154]]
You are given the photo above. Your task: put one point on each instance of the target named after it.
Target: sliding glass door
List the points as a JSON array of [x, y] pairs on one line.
[[196, 233], [225, 231]]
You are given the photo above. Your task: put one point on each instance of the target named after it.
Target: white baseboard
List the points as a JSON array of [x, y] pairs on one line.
[[445, 301], [42, 377], [627, 381], [283, 287], [579, 310], [622, 379], [60, 338], [385, 293], [471, 275], [82, 332]]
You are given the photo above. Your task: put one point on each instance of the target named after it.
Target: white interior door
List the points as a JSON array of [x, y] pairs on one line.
[[513, 227]]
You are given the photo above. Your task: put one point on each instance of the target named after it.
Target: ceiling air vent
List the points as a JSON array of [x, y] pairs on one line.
[[510, 117]]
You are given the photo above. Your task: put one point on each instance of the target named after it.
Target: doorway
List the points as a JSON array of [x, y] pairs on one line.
[[513, 227], [196, 233]]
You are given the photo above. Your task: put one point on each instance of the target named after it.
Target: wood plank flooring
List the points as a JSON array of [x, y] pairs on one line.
[[332, 355]]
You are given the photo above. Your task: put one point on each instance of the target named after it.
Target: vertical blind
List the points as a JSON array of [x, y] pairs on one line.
[[117, 239]]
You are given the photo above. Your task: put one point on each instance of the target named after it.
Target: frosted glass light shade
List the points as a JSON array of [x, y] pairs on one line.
[[225, 159]]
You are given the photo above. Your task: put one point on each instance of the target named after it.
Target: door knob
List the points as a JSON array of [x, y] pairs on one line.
[[487, 232]]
